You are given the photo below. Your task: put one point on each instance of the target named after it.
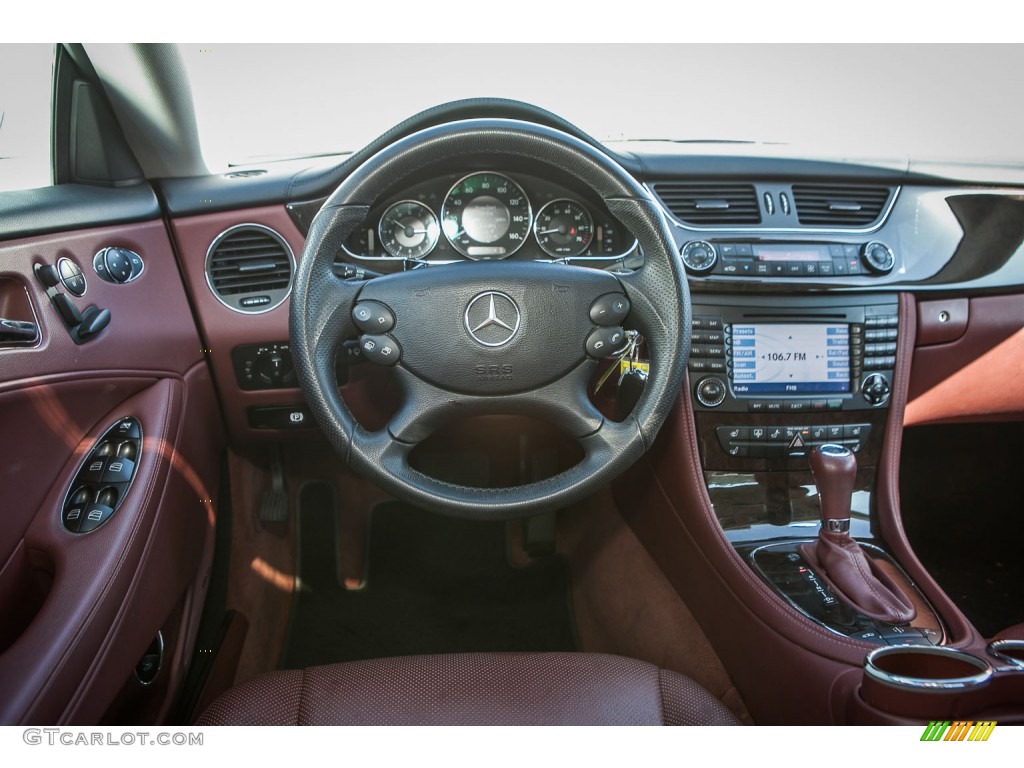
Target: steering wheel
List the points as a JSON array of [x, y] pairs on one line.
[[511, 337]]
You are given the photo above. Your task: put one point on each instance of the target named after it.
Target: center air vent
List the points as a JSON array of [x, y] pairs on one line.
[[839, 205], [249, 268], [711, 203]]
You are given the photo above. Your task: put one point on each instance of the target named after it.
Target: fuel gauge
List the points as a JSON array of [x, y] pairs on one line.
[[408, 230], [563, 229]]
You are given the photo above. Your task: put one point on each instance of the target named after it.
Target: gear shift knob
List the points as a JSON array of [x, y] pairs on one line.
[[834, 469]]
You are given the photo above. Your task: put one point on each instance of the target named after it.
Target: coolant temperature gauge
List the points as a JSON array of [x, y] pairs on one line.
[[563, 229], [408, 230]]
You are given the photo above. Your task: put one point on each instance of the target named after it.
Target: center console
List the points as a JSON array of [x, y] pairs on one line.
[[771, 381]]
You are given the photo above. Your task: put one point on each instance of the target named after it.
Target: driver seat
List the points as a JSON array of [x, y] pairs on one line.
[[472, 689]]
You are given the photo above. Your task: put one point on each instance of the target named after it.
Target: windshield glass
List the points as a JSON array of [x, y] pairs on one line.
[[955, 102]]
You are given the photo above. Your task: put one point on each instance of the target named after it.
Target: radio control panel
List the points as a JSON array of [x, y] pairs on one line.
[[793, 354]]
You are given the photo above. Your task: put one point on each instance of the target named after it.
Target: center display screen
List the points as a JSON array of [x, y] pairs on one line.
[[790, 359]]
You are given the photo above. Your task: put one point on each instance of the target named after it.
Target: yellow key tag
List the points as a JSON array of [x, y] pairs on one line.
[[626, 365]]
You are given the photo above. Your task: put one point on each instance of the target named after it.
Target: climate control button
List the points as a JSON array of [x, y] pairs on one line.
[[699, 257]]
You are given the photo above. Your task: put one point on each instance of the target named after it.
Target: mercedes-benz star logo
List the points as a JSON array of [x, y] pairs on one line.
[[492, 318]]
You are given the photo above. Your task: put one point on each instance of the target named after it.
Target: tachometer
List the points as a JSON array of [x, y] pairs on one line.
[[408, 230], [486, 216], [563, 228]]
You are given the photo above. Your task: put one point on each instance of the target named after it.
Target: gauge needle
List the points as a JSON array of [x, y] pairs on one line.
[[556, 230]]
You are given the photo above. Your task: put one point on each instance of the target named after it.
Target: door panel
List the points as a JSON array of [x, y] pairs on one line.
[[83, 607]]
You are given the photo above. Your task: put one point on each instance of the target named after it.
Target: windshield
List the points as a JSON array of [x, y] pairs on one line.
[[957, 102]]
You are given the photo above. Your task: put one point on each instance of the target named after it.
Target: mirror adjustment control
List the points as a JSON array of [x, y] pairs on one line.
[[117, 265], [373, 317]]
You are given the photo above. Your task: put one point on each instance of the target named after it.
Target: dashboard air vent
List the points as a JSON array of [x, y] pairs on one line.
[[710, 203], [249, 268], [839, 205]]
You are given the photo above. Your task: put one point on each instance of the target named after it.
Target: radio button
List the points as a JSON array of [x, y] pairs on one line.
[[756, 406], [774, 406], [697, 366], [797, 406], [817, 405], [713, 323], [716, 366], [699, 350], [714, 337], [834, 405], [710, 392]]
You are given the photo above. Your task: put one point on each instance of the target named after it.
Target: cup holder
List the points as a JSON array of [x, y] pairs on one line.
[[927, 668], [928, 682], [1010, 652]]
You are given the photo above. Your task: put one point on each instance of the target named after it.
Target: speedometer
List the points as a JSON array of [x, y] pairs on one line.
[[486, 216]]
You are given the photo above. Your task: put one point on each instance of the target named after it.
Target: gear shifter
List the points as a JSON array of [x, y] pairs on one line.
[[838, 558]]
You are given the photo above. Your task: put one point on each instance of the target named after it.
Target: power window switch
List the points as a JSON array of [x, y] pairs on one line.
[[92, 472], [94, 516], [118, 470], [72, 517]]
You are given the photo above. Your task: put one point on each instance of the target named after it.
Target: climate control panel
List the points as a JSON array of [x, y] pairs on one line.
[[776, 259]]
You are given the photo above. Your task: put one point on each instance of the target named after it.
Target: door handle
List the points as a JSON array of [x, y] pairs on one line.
[[12, 331]]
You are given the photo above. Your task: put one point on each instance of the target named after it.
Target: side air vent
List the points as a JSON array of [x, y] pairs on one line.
[[249, 268], [839, 205], [711, 203]]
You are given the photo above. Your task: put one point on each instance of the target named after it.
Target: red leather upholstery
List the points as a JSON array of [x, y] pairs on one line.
[[472, 689]]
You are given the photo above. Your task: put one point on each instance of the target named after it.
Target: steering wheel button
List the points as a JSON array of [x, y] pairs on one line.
[[380, 349], [604, 342], [373, 317], [610, 309]]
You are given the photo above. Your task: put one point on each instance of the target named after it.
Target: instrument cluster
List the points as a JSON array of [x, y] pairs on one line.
[[489, 215]]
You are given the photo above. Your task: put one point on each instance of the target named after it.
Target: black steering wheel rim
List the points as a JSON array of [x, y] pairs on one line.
[[321, 306]]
